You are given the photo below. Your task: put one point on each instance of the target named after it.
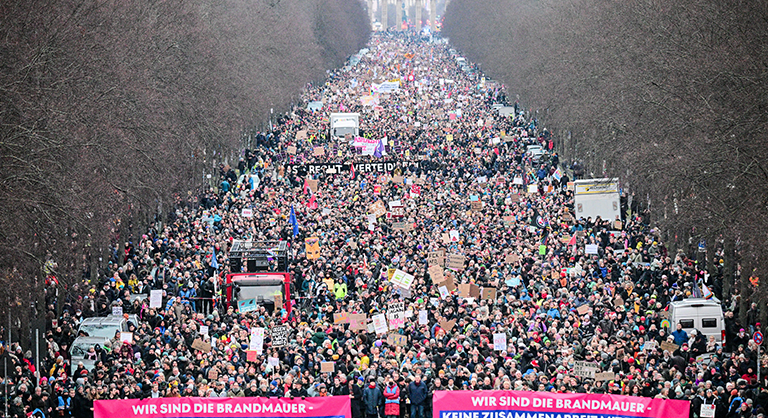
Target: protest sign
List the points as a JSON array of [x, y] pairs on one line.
[[489, 293], [247, 213], [402, 279], [312, 184], [257, 340], [280, 335], [600, 377], [378, 209], [117, 311], [500, 341], [423, 317], [455, 262], [448, 325], [585, 369], [126, 337], [341, 318], [318, 151], [327, 367], [667, 346], [155, 298], [312, 248], [291, 150], [511, 258], [436, 274], [251, 355], [436, 258], [590, 249], [397, 339], [380, 324], [247, 305], [583, 309], [358, 322], [199, 344], [203, 329]]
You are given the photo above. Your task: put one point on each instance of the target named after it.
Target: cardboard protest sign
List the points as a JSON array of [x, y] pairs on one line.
[[448, 283], [489, 293], [436, 274], [378, 209], [448, 325], [511, 258], [436, 258], [583, 309], [604, 376], [302, 134], [341, 318], [312, 248], [280, 335], [667, 346], [199, 344], [318, 151], [397, 339], [358, 322], [455, 262], [327, 366], [398, 226], [446, 238], [291, 150], [464, 290], [278, 301], [476, 206], [312, 184]]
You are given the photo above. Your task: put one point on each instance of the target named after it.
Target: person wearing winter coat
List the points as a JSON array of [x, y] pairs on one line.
[[372, 399], [417, 391], [391, 399]]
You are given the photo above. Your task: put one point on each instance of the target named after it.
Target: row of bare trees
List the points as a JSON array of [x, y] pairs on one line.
[[110, 107], [671, 96]]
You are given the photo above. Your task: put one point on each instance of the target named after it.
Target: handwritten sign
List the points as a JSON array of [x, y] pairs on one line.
[[341, 318], [327, 366], [199, 344], [584, 369], [318, 151], [358, 322], [455, 262], [280, 335], [500, 341], [397, 339]]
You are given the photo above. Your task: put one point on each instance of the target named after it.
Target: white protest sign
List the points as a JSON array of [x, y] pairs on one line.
[[590, 249], [257, 340], [204, 329], [117, 310], [155, 298], [380, 324], [423, 319], [584, 369], [500, 341]]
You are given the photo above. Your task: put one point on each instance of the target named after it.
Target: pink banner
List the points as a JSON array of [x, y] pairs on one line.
[[516, 404], [325, 407]]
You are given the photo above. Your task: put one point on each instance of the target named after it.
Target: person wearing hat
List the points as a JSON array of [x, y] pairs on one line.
[[356, 396]]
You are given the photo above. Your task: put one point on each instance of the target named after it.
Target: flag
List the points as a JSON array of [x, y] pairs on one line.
[[214, 262], [706, 293], [557, 174], [572, 241], [352, 171], [294, 223], [379, 151], [307, 190], [312, 203]]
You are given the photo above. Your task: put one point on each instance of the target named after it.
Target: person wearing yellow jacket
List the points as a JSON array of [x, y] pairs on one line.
[[340, 289]]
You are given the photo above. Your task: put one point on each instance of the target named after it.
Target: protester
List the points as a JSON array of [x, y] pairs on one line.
[[465, 185]]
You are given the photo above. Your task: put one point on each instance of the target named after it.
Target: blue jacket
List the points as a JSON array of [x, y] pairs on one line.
[[680, 337], [417, 393]]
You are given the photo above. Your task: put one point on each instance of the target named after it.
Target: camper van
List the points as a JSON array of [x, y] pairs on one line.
[[703, 315]]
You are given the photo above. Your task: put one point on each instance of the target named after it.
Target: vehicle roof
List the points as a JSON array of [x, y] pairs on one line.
[[694, 301], [103, 320], [89, 340]]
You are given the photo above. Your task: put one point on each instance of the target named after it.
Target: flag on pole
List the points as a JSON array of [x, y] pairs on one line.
[[379, 151], [352, 171], [557, 174], [294, 223], [214, 261], [705, 292]]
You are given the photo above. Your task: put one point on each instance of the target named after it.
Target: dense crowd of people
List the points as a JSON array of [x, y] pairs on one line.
[[522, 245]]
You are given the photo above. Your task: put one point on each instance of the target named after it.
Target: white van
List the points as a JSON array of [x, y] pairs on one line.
[[703, 315]]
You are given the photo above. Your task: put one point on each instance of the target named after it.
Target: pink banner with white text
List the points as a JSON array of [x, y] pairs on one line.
[[321, 407], [517, 404]]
